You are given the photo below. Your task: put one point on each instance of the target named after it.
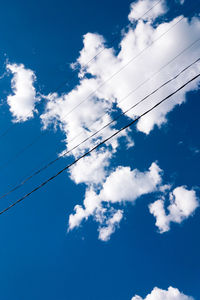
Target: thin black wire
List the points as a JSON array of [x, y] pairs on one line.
[[122, 68], [12, 159], [91, 94], [112, 41], [75, 137], [122, 100], [73, 70], [148, 79], [105, 126], [98, 145]]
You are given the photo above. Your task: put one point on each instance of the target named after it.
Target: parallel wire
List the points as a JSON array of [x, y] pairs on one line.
[[108, 124], [124, 66], [98, 145], [73, 70], [80, 103], [92, 93], [121, 69], [13, 158], [112, 41], [143, 83]]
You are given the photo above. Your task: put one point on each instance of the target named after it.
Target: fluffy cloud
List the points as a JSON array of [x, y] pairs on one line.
[[147, 10], [85, 121], [183, 203], [91, 169], [126, 185], [139, 69], [117, 80], [121, 186], [91, 203], [159, 294], [22, 102]]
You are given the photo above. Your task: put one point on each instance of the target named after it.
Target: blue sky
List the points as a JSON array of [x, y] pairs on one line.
[[42, 254]]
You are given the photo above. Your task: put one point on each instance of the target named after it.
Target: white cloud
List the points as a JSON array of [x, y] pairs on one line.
[[126, 185], [147, 10], [122, 185], [183, 203], [91, 169], [91, 205], [159, 294], [22, 102]]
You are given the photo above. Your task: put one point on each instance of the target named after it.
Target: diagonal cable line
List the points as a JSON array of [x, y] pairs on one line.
[[98, 145], [180, 19], [101, 117], [12, 159], [108, 79], [143, 83], [112, 41], [73, 75], [102, 128], [121, 69], [42, 134]]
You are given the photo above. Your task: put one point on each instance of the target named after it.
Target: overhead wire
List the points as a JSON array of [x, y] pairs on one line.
[[108, 79], [112, 41], [181, 18], [73, 70], [59, 157], [100, 144], [121, 69], [101, 117], [101, 85], [144, 82], [109, 123]]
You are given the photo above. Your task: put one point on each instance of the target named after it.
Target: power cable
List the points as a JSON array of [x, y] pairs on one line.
[[102, 128], [42, 134], [98, 145], [66, 81], [122, 68]]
